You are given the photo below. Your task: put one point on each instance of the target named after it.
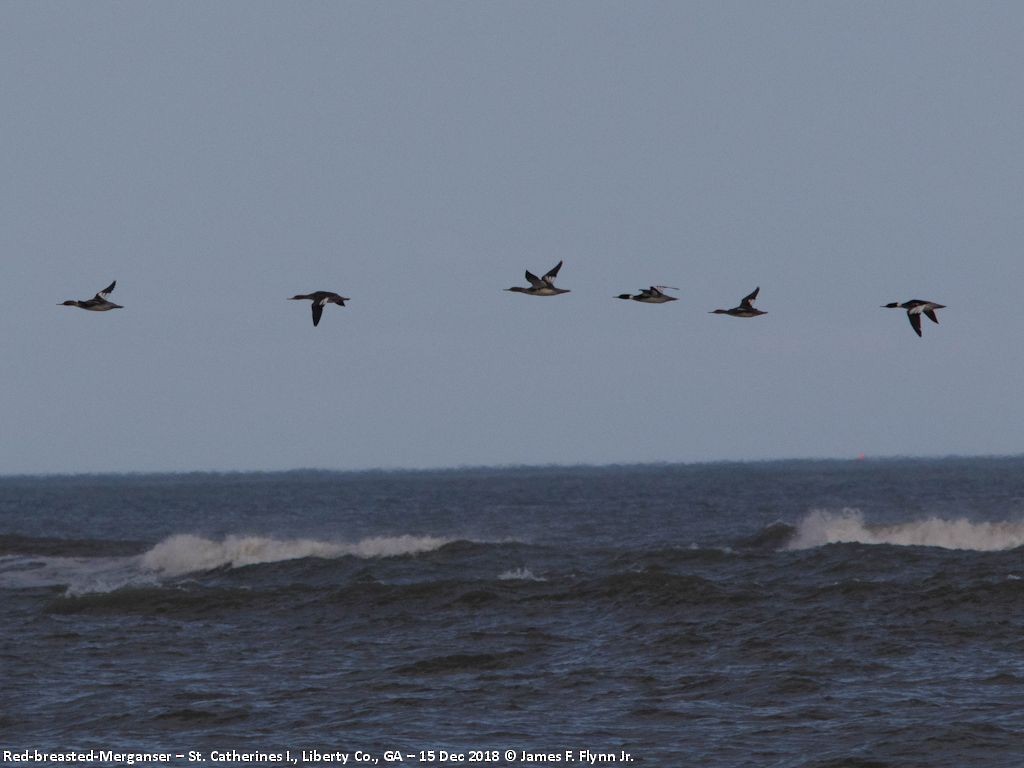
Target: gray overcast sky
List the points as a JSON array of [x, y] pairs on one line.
[[216, 158]]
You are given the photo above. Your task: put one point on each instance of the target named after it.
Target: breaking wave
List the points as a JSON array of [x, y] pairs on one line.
[[520, 574], [184, 553], [77, 574], [821, 527]]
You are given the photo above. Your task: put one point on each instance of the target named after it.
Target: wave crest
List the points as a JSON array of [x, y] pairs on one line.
[[519, 574], [186, 553], [820, 527]]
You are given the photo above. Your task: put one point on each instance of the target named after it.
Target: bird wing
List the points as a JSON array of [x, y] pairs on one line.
[[915, 321], [552, 273], [748, 301], [106, 291], [533, 280], [318, 309], [930, 313]]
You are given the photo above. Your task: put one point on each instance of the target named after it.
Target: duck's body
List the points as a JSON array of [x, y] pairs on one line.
[[97, 303], [541, 286], [915, 308], [320, 300], [745, 309], [653, 295]]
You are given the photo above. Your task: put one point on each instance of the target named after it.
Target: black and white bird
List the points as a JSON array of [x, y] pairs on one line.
[[320, 300], [541, 286], [915, 308], [97, 303], [653, 295], [745, 309]]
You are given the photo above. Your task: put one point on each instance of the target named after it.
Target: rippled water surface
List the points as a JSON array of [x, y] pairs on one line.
[[778, 614]]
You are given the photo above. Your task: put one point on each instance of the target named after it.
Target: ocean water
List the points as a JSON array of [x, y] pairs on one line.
[[813, 614]]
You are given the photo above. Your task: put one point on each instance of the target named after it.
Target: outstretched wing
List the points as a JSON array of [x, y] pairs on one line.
[[533, 280], [552, 273], [106, 291], [748, 301], [915, 321], [318, 309], [931, 315]]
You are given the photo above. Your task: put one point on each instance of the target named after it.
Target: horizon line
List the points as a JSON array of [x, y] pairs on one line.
[[859, 458]]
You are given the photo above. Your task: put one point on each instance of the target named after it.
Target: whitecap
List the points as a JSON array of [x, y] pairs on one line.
[[519, 574], [820, 527], [186, 553], [79, 575]]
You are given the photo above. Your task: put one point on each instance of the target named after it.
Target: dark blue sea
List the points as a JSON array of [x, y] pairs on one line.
[[815, 614]]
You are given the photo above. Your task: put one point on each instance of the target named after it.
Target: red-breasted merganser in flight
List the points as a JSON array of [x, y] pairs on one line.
[[541, 286], [97, 303], [915, 308], [745, 309], [320, 300], [653, 295]]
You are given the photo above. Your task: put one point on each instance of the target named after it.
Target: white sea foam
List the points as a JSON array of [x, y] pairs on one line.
[[820, 527], [182, 554], [79, 574], [185, 553], [520, 574]]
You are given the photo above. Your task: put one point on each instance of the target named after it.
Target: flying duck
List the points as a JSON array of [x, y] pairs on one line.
[[320, 300], [745, 309], [541, 286], [915, 308], [653, 295], [97, 303]]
